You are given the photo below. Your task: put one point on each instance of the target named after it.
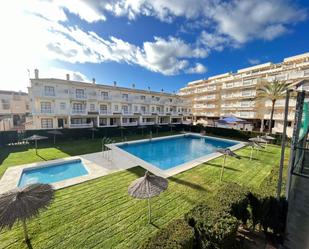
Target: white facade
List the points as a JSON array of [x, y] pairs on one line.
[[235, 93], [13, 108], [57, 103]]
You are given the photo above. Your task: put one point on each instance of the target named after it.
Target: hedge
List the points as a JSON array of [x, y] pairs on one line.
[[8, 137], [176, 235], [233, 199], [213, 228]]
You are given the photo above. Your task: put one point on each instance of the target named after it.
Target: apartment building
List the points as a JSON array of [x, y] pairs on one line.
[[57, 103], [13, 109], [234, 94]]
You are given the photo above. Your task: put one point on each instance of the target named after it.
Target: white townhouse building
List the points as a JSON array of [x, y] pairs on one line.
[[14, 107], [57, 103], [234, 94]]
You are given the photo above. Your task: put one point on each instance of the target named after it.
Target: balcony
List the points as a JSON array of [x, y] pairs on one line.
[[130, 124], [84, 125], [105, 98], [105, 112], [78, 111], [147, 123], [47, 111], [280, 116]]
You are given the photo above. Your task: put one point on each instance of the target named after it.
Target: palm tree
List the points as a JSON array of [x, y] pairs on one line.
[[272, 91], [24, 204]]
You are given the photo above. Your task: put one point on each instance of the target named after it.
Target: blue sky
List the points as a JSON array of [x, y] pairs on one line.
[[161, 44]]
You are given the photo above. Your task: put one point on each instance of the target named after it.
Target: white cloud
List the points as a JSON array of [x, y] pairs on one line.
[[254, 61], [251, 19], [197, 69]]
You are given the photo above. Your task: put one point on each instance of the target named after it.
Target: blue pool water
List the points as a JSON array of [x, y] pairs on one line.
[[53, 173], [170, 152]]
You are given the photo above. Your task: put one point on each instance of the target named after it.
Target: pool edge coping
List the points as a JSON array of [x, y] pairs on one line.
[[179, 168]]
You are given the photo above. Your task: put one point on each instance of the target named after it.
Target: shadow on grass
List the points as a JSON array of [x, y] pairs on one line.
[[41, 157], [28, 243], [253, 158], [138, 171], [220, 166], [154, 225], [188, 184]]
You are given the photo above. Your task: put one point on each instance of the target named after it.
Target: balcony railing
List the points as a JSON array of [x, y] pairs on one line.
[[147, 123], [105, 112], [130, 124], [78, 111], [47, 111], [84, 125]]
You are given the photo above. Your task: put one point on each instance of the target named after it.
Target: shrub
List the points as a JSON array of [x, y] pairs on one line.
[[233, 199], [176, 235], [273, 215], [213, 228]]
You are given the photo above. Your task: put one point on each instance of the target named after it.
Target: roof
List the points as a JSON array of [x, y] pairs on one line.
[[103, 86]]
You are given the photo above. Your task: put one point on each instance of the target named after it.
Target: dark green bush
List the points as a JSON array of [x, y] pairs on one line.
[[176, 235], [213, 228], [273, 215], [233, 199]]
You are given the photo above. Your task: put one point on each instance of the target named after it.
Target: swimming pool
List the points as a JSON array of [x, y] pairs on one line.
[[170, 152], [53, 173]]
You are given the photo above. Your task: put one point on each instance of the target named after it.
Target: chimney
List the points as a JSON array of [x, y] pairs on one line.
[[133, 86], [115, 83], [36, 73], [93, 80], [67, 76]]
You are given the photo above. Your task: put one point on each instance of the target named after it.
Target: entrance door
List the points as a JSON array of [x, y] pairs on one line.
[[60, 123]]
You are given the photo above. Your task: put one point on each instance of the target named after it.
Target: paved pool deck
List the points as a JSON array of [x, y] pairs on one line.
[[104, 163]]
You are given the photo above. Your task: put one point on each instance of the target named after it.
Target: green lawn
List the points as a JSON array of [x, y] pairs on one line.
[[100, 214], [23, 154]]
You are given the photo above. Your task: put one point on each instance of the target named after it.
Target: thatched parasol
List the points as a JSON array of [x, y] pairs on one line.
[[35, 138], [23, 204], [257, 140], [268, 139], [55, 133], [226, 152], [93, 130], [253, 146], [147, 187]]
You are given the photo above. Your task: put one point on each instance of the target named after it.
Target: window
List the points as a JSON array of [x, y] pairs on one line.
[[171, 100], [62, 106], [143, 97], [78, 108], [46, 123], [116, 107], [124, 109], [247, 82], [46, 107], [92, 107], [143, 109], [80, 93], [103, 121], [157, 98], [49, 91], [125, 120], [158, 109], [103, 109], [135, 108], [104, 95], [125, 96], [5, 104]]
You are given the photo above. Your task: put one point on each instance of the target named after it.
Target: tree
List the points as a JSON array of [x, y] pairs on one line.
[[272, 91]]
